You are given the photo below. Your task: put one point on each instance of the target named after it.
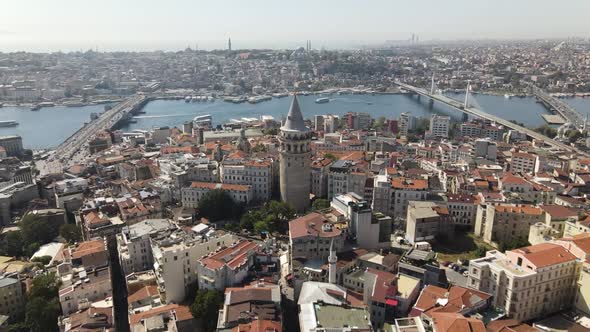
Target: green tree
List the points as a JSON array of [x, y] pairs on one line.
[[42, 314], [320, 204], [259, 148], [12, 244], [206, 308], [278, 214], [43, 259], [18, 327], [43, 309], [271, 131], [35, 230], [379, 123], [70, 232], [330, 156], [273, 216], [480, 251], [218, 205]]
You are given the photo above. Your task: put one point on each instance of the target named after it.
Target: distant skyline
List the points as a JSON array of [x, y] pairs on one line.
[[42, 25]]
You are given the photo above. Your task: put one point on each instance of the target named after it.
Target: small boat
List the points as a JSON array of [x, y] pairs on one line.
[[8, 123], [507, 96], [187, 99], [36, 108], [322, 100]]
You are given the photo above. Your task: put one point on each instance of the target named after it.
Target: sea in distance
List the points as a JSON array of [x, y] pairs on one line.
[[49, 126]]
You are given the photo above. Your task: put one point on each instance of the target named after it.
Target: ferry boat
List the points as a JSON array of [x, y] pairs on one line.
[[322, 100], [8, 123], [203, 120], [73, 104], [258, 99]]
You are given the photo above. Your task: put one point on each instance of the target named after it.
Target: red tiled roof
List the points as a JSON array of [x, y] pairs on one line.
[[545, 254], [145, 292], [311, 225], [454, 322], [88, 248], [257, 325], [233, 256]]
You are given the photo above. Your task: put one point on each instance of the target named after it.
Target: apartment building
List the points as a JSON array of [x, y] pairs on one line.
[[227, 267], [85, 276], [255, 173], [427, 220], [439, 126], [463, 209], [344, 176], [134, 244], [527, 283], [177, 256], [371, 231], [310, 237], [391, 195], [319, 176], [522, 162], [503, 223], [13, 145], [406, 123], [12, 297]]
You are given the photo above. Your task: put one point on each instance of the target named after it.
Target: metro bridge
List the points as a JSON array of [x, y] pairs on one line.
[[466, 109]]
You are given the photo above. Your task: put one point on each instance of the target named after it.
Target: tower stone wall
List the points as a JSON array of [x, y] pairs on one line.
[[295, 153]]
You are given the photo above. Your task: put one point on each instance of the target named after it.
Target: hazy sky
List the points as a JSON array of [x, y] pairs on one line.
[[173, 24]]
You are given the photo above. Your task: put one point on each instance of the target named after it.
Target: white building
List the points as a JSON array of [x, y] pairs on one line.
[[255, 173], [85, 276], [439, 126], [133, 244], [370, 231], [405, 123], [527, 283], [177, 256], [522, 162], [227, 267]]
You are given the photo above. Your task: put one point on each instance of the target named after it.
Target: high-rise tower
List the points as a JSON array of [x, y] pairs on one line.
[[295, 152]]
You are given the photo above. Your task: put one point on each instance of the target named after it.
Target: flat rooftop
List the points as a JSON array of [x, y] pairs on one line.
[[331, 316]]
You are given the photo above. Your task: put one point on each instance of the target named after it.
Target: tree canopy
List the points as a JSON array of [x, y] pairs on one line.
[[43, 309], [206, 308], [273, 216], [12, 244], [36, 230], [320, 204], [70, 232], [218, 205]]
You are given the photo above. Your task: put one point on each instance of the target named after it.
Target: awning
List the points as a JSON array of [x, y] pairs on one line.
[[391, 302]]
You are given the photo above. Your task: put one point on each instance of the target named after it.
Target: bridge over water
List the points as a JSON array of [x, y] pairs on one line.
[[464, 107]]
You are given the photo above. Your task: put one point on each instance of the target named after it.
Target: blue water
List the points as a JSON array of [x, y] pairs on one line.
[[47, 127], [50, 126]]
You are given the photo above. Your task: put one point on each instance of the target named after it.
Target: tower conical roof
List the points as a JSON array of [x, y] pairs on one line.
[[294, 118]]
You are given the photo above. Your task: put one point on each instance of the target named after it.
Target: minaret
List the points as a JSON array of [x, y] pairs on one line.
[[294, 157], [229, 45], [332, 259]]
